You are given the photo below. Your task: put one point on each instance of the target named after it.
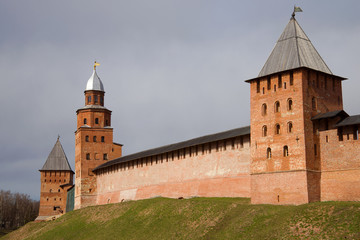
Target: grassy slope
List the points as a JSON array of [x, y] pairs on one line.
[[200, 218]]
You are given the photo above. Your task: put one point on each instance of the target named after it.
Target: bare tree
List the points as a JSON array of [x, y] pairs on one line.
[[16, 209]]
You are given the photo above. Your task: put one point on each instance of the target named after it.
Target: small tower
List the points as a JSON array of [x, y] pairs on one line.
[[294, 85], [93, 141], [56, 179]]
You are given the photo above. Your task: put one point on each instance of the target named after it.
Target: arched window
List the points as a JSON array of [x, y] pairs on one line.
[[290, 104], [58, 190], [86, 138], [277, 129], [313, 103], [96, 121], [101, 100], [264, 109], [102, 139], [286, 151], [88, 156], [264, 131], [290, 127], [94, 138], [95, 99], [85, 121], [268, 153], [277, 106], [50, 190], [89, 99]]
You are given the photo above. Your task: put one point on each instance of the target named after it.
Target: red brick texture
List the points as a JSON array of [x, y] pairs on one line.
[[52, 195], [216, 173]]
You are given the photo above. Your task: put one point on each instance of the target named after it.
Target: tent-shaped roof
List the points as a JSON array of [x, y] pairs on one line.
[[57, 159], [293, 50]]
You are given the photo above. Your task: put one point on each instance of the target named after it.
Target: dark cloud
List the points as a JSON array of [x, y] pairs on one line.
[[172, 70]]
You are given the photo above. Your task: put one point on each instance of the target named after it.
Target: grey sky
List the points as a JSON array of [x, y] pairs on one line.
[[172, 70]]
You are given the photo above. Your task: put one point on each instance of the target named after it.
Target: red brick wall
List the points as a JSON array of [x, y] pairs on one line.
[[51, 194], [222, 173], [340, 165]]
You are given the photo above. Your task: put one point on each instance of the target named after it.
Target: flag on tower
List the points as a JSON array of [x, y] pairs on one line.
[[297, 9], [96, 64]]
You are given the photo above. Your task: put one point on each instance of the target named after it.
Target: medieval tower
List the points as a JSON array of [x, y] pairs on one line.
[[56, 178], [294, 85], [93, 141]]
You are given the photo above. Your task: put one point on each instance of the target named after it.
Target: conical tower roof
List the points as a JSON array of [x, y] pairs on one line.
[[293, 50], [57, 159]]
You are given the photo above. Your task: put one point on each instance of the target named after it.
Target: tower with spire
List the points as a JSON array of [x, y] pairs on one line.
[[93, 141], [56, 179], [294, 85]]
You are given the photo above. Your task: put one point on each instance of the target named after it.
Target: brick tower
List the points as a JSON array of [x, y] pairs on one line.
[[294, 85], [56, 179], [93, 141]]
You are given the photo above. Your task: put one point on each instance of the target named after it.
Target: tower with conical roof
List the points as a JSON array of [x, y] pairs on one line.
[[56, 179], [294, 85], [93, 141]]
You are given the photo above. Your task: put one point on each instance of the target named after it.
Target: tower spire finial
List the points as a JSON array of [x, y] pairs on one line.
[[296, 9], [58, 137], [96, 64]]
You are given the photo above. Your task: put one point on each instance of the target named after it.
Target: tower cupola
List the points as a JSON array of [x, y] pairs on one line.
[[94, 92]]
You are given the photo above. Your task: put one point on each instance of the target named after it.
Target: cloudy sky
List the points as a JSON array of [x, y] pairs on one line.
[[172, 70]]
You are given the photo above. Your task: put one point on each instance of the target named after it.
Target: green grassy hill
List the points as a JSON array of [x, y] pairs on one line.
[[200, 218]]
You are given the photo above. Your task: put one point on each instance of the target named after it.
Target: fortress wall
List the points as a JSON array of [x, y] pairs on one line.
[[340, 163], [217, 169], [279, 188]]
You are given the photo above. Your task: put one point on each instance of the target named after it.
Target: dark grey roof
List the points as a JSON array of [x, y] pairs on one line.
[[176, 146], [332, 114], [57, 159], [293, 50], [352, 120]]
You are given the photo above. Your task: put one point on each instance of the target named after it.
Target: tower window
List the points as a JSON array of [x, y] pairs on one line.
[[101, 100], [269, 83], [263, 109], [275, 88], [279, 80], [284, 85], [96, 121], [290, 104], [95, 99], [88, 156], [277, 129], [315, 150], [291, 78], [290, 127], [58, 190], [105, 157], [86, 138], [356, 133], [257, 86], [89, 99], [268, 153], [325, 81], [85, 121], [264, 131], [106, 122], [286, 151], [102, 139], [50, 190], [94, 138], [277, 106], [263, 90], [313, 103]]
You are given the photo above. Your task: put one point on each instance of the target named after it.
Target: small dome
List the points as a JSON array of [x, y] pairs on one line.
[[94, 83]]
